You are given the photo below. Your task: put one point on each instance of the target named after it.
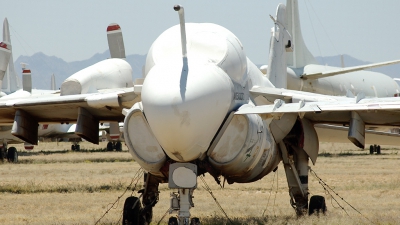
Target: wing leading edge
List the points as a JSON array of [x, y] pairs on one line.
[[374, 111], [356, 113], [86, 110]]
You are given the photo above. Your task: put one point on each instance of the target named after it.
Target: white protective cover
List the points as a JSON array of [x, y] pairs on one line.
[[241, 145], [141, 143], [107, 74], [188, 102], [207, 43]]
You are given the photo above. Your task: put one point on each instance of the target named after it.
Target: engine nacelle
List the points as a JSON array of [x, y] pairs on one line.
[[141, 142], [243, 149]]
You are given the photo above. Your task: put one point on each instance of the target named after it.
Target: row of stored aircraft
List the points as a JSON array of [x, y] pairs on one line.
[[204, 107], [13, 88]]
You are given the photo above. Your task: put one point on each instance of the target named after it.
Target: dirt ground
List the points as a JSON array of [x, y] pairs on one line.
[[51, 185]]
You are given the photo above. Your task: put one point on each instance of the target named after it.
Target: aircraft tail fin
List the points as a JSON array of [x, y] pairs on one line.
[[280, 43], [53, 82], [26, 78], [5, 54], [301, 56], [114, 131], [115, 41], [11, 82]]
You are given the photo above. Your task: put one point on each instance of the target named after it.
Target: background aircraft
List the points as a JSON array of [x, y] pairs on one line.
[[304, 74], [48, 131], [12, 88], [10, 82]]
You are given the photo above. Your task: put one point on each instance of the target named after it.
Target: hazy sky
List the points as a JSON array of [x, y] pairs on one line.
[[75, 29]]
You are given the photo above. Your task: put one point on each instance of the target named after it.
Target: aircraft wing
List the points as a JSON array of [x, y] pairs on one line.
[[312, 76], [106, 106], [334, 133], [271, 94], [373, 111], [86, 110], [357, 113]]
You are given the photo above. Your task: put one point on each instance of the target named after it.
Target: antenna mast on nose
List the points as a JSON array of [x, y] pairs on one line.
[[181, 13]]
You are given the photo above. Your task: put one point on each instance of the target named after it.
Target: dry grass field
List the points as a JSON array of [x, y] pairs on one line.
[[51, 185]]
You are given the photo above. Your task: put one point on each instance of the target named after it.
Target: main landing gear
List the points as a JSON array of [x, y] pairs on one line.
[[11, 154], [117, 145], [75, 147], [375, 148], [75, 144], [295, 161]]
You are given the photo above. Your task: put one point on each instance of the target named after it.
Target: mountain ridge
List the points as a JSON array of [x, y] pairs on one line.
[[43, 66]]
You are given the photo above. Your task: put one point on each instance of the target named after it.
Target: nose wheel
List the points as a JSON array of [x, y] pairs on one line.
[[141, 213], [317, 205], [132, 208]]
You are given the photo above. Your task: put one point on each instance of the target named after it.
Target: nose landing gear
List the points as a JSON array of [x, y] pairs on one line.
[[182, 176]]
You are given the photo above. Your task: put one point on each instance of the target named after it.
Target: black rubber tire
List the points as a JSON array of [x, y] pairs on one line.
[[378, 150], [72, 147], [146, 214], [317, 205], [12, 155], [371, 149], [173, 221], [3, 154], [110, 146], [195, 221], [131, 214], [118, 146]]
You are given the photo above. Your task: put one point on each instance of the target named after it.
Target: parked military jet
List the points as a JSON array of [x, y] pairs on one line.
[[203, 107]]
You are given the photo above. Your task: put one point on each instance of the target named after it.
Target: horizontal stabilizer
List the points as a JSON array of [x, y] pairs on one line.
[[311, 76]]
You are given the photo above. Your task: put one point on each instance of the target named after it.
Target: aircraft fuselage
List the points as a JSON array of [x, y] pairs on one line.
[[371, 84]]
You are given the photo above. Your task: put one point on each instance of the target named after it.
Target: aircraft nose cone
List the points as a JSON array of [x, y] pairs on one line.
[[185, 107]]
